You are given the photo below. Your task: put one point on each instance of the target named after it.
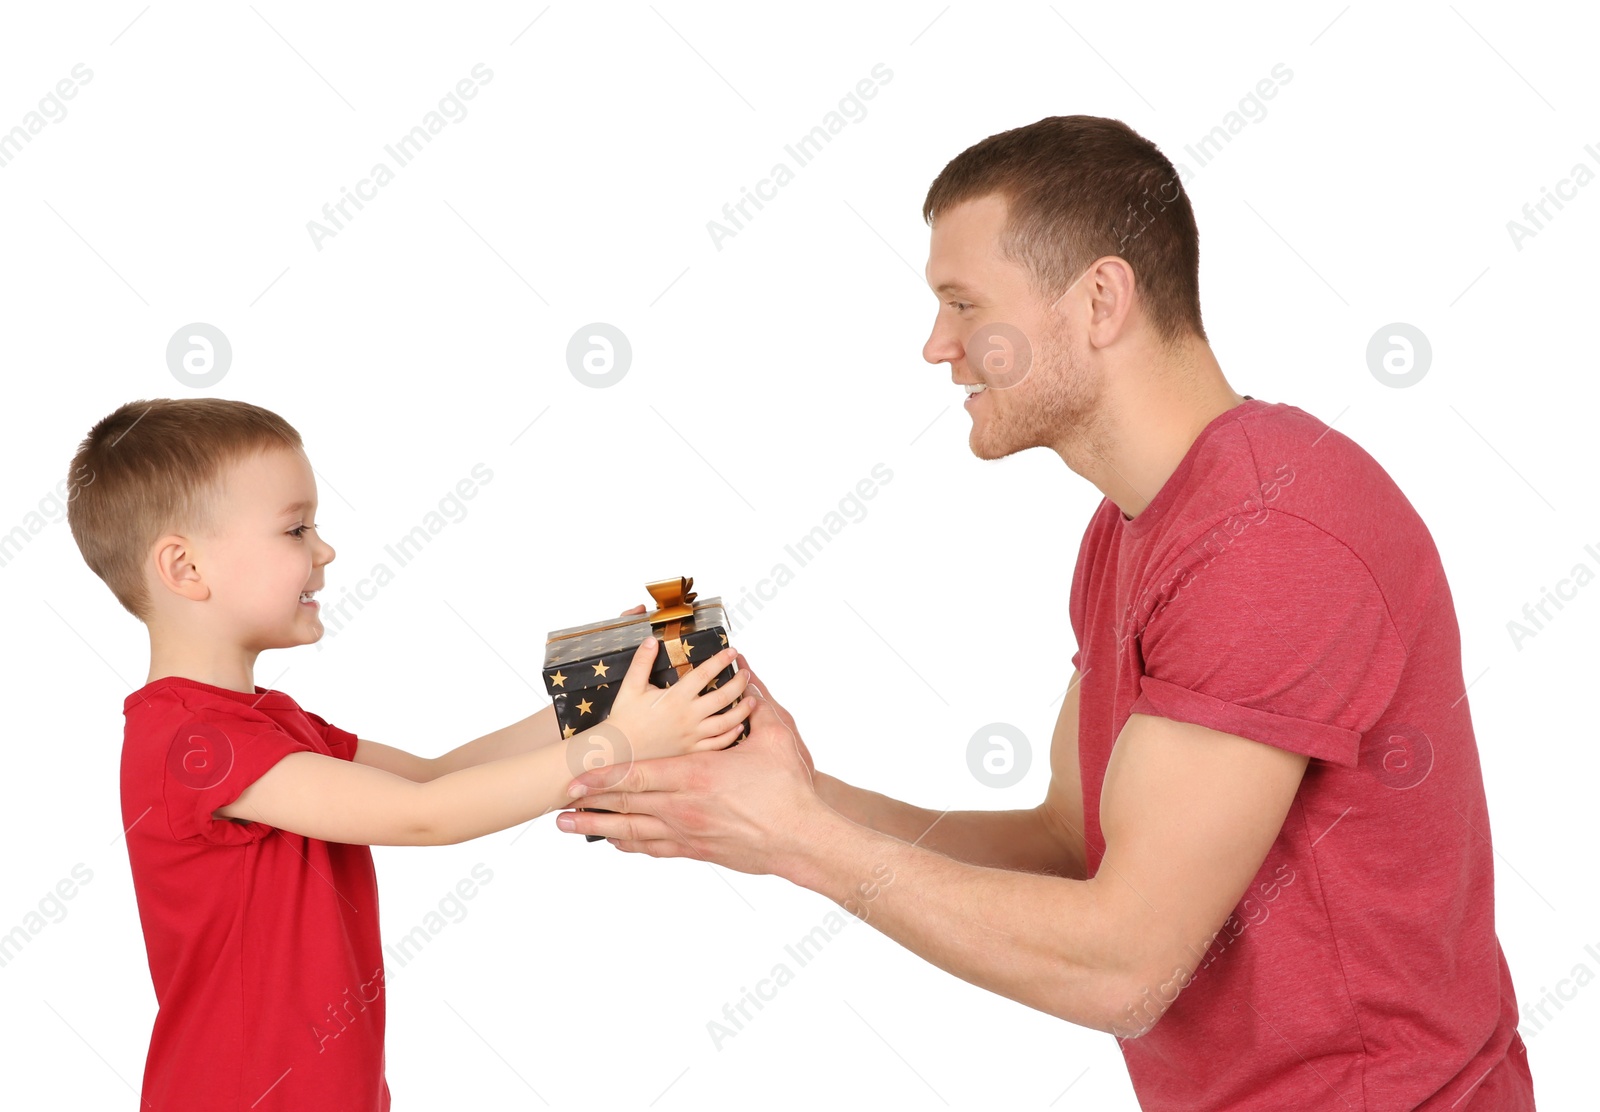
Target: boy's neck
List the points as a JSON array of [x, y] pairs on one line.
[[220, 666]]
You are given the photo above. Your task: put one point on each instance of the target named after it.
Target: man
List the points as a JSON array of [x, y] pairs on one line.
[[1263, 860]]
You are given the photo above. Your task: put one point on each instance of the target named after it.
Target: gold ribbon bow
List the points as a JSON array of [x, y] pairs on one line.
[[673, 598]]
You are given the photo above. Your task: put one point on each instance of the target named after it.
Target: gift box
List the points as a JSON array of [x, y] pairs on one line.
[[584, 665]]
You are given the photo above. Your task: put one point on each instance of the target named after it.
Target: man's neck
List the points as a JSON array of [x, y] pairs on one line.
[[1146, 424]]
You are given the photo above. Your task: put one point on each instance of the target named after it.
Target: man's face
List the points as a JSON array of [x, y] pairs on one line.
[[996, 332], [264, 552]]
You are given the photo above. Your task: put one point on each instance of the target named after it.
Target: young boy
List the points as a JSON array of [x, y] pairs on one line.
[[249, 818]]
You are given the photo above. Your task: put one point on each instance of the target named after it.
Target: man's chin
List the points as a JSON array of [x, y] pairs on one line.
[[985, 447]]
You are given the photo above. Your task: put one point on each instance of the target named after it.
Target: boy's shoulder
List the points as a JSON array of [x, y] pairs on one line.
[[156, 713], [191, 747], [176, 697]]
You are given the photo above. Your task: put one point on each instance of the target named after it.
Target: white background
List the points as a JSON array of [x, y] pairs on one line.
[[768, 378]]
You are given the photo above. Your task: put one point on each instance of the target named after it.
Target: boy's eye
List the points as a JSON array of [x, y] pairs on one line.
[[299, 530]]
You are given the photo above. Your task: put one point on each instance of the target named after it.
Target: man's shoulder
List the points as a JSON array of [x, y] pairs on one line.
[[1280, 458], [1278, 461]]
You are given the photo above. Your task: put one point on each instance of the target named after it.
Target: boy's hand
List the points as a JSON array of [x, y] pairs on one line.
[[648, 722]]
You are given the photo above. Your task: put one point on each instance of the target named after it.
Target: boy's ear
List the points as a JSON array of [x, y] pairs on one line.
[[176, 570]]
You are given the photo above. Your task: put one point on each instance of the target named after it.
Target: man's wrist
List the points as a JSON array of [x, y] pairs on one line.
[[829, 789], [818, 849]]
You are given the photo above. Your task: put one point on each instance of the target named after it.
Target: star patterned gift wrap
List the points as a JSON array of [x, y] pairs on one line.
[[584, 665]]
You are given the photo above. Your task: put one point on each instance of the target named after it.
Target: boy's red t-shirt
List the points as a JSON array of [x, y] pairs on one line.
[[263, 945], [1280, 587]]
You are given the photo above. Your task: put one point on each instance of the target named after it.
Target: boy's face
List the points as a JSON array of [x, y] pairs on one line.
[[264, 552]]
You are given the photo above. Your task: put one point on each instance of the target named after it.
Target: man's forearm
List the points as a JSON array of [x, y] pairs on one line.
[[524, 736], [995, 839], [1047, 942]]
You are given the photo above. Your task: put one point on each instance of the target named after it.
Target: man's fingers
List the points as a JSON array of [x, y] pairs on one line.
[[662, 774], [648, 788], [744, 666], [626, 777], [625, 827], [657, 848], [745, 669], [651, 804], [763, 712], [764, 717]]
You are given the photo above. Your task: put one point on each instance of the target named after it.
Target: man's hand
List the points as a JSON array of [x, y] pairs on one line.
[[783, 716], [1189, 815], [748, 808]]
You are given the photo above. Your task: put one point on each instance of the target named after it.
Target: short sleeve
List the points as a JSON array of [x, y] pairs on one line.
[[213, 756], [1094, 539], [341, 743], [1276, 632]]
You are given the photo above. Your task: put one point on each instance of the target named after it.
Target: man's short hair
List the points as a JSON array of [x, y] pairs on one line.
[[1078, 188], [154, 467]]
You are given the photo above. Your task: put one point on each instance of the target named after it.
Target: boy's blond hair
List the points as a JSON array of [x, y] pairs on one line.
[[156, 467]]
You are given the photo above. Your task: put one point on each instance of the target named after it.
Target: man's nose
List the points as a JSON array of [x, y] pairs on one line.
[[943, 346]]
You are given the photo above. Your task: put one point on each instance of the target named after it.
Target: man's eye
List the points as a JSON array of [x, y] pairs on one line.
[[960, 306]]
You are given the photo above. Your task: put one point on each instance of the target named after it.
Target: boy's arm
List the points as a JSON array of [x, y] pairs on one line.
[[534, 732], [344, 801], [335, 800]]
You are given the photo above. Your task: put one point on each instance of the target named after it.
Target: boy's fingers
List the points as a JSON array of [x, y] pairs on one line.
[[635, 610], [720, 741], [755, 680], [723, 696], [716, 722], [706, 671], [638, 675]]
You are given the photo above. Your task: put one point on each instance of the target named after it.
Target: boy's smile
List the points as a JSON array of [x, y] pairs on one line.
[[256, 572], [272, 556]]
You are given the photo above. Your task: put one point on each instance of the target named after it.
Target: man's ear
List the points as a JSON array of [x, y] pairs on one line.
[[174, 559], [1111, 289]]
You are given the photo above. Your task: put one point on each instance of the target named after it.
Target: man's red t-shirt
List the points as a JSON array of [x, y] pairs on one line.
[[1280, 587], [263, 945]]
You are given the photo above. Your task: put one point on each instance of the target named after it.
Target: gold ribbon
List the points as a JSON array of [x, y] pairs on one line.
[[673, 598], [674, 609]]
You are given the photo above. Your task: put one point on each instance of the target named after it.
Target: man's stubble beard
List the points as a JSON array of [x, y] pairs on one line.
[[1059, 404]]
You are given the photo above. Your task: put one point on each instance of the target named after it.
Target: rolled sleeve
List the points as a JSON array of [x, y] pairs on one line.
[[1314, 739], [1282, 636]]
